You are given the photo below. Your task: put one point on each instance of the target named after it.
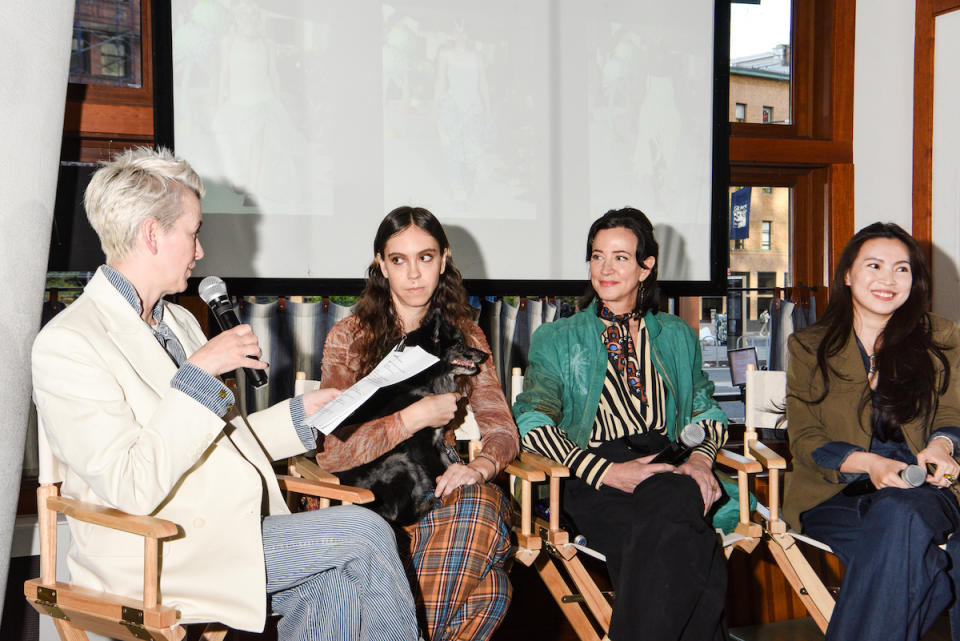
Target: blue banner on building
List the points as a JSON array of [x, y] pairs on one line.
[[740, 214]]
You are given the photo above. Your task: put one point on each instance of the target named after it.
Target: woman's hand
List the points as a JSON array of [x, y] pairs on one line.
[[884, 472], [456, 475], [313, 401], [939, 452], [435, 410], [229, 350], [700, 468], [627, 476]]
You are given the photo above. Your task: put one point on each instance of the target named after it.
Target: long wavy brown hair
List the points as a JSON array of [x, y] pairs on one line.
[[380, 327]]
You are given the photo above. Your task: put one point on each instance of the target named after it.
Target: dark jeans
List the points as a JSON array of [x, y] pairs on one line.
[[663, 556], [897, 580]]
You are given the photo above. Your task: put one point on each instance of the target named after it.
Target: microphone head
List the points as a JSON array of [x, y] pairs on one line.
[[692, 434], [913, 475], [211, 289]]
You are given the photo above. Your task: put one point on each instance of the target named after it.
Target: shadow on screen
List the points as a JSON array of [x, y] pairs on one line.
[[466, 252], [674, 262], [230, 241]]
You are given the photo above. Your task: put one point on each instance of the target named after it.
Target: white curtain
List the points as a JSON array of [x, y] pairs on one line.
[[34, 61]]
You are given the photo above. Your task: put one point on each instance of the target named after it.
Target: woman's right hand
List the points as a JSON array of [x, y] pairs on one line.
[[430, 411], [627, 476], [884, 472], [229, 350]]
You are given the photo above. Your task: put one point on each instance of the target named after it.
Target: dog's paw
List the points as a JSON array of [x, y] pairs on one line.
[[429, 503]]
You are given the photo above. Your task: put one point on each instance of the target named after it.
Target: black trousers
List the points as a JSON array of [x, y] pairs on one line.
[[664, 557]]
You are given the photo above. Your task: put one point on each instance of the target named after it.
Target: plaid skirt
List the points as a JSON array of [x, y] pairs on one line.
[[456, 560]]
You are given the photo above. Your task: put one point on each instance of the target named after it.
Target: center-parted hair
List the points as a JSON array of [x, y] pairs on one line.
[[907, 383], [634, 220], [380, 327]]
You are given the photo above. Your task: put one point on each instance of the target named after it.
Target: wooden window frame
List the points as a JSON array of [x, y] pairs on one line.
[[923, 64], [102, 119], [814, 154]]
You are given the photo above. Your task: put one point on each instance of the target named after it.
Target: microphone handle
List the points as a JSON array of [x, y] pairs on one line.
[[227, 319], [865, 486], [672, 454]]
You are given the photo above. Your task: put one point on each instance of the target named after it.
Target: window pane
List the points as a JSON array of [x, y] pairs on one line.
[[106, 43], [760, 223], [760, 61]]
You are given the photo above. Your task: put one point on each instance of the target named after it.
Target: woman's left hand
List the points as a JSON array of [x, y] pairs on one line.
[[700, 469], [313, 401], [937, 452], [455, 476]]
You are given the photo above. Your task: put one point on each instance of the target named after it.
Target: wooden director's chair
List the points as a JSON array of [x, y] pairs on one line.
[[76, 610], [548, 547], [766, 394]]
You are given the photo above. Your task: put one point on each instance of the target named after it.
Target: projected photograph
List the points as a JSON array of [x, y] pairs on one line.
[[464, 107], [516, 123], [251, 115], [651, 109]]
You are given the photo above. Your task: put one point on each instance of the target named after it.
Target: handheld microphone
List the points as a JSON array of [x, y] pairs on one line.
[[690, 436], [213, 291], [912, 475]]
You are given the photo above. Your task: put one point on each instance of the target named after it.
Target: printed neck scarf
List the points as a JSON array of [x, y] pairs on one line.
[[621, 350]]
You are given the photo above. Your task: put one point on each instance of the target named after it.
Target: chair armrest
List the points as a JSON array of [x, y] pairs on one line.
[[738, 462], [308, 469], [146, 526], [323, 489], [549, 467], [770, 459], [525, 471]]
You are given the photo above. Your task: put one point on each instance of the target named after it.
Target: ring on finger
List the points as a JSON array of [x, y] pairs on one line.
[[950, 478]]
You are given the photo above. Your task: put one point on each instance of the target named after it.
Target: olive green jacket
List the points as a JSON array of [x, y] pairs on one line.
[[811, 426]]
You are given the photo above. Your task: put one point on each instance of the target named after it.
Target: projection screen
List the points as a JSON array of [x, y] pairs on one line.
[[516, 123]]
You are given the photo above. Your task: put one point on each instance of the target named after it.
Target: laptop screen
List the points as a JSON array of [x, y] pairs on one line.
[[738, 359]]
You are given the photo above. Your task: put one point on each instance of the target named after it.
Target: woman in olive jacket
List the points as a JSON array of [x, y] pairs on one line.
[[872, 388]]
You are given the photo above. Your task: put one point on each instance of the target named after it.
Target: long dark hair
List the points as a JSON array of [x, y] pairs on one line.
[[380, 327], [648, 295], [907, 385]]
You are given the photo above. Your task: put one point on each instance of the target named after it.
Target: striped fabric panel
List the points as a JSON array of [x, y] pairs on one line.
[[334, 575], [457, 553]]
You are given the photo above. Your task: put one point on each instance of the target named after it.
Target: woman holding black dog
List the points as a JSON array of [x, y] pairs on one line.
[[458, 550], [605, 390]]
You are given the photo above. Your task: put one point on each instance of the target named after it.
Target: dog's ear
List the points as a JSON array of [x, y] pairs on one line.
[[433, 321]]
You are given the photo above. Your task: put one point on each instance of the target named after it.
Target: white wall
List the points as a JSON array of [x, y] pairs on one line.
[[883, 112], [34, 60], [946, 167]]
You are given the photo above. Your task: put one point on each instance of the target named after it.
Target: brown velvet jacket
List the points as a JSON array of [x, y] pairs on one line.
[[341, 367], [835, 419]]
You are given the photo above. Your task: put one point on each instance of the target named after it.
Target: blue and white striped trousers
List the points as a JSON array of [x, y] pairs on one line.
[[334, 574]]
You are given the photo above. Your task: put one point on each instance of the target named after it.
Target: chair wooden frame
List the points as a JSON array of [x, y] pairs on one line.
[[765, 391], [76, 610]]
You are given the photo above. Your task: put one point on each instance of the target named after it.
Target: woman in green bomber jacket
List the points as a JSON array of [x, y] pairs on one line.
[[608, 388]]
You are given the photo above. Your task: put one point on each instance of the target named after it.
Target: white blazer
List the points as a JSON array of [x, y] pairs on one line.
[[130, 441]]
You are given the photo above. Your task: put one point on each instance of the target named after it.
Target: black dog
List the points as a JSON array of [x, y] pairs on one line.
[[403, 479]]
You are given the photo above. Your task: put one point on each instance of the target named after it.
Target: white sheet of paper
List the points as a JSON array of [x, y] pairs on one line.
[[395, 367]]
